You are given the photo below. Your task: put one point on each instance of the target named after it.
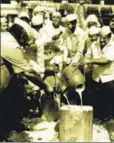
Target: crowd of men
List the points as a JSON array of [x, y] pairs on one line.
[[48, 42]]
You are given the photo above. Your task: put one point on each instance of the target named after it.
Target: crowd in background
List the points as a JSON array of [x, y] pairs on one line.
[[49, 40]]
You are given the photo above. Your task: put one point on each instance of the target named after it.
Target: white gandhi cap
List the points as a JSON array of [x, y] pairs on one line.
[[37, 20], [23, 14], [71, 17], [93, 30], [105, 30]]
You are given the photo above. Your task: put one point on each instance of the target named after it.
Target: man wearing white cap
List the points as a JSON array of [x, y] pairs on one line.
[[93, 33], [92, 20], [106, 46], [39, 10], [104, 72], [22, 60], [72, 42], [37, 24], [94, 51], [19, 39], [54, 29]]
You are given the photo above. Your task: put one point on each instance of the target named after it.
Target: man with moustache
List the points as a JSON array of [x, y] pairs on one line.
[[71, 40], [104, 76]]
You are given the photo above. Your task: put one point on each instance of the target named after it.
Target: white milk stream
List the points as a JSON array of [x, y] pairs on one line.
[[66, 99], [79, 91]]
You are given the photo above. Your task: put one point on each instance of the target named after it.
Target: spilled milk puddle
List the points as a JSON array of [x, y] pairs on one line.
[[40, 130], [37, 130], [48, 132]]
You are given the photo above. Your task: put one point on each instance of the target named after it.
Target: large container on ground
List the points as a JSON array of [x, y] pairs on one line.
[[76, 123]]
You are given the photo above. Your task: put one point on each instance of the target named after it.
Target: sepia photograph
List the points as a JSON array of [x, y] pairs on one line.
[[57, 71]]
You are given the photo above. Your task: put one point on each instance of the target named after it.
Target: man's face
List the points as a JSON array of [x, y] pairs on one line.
[[56, 19], [93, 37], [111, 24], [92, 23], [72, 25], [48, 55], [104, 40]]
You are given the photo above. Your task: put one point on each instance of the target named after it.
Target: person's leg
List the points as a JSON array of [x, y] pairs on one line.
[[109, 93]]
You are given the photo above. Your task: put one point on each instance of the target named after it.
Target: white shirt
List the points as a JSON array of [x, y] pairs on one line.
[[94, 51], [105, 73], [14, 54], [51, 31], [73, 44], [8, 41]]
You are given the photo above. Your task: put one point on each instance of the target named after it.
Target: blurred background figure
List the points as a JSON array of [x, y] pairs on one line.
[[106, 12], [24, 16], [111, 24], [11, 19], [4, 24], [66, 9], [54, 29], [37, 23], [71, 40], [39, 10], [92, 20]]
